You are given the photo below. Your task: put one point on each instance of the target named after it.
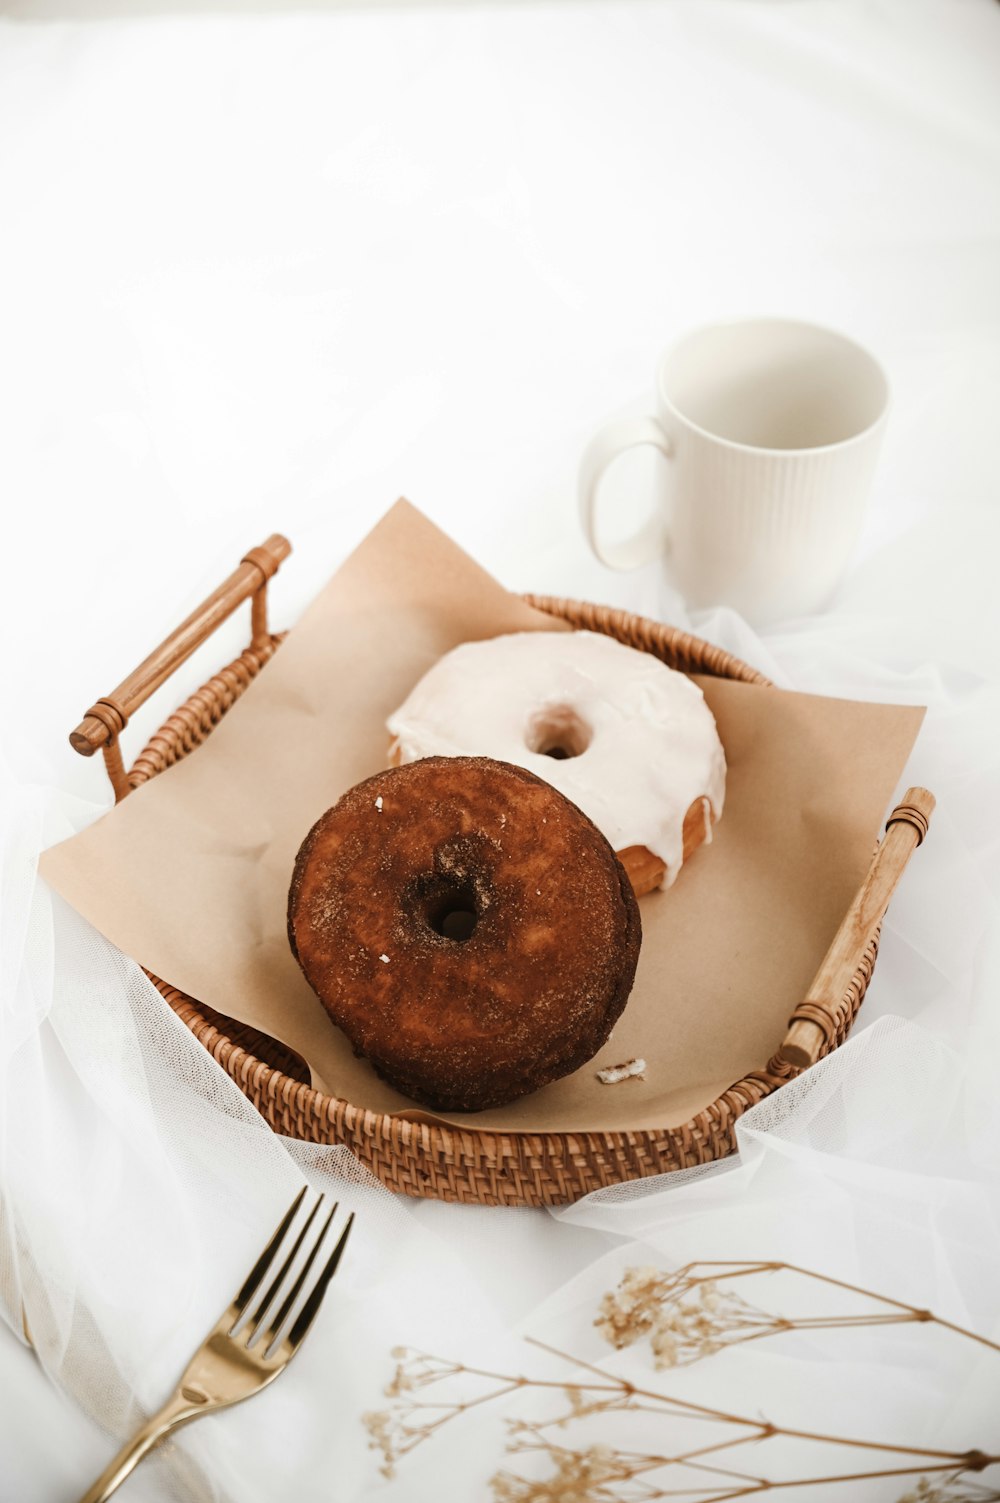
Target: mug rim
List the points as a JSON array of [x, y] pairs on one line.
[[787, 323]]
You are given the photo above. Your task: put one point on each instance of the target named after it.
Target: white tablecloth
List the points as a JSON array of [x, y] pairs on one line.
[[267, 269]]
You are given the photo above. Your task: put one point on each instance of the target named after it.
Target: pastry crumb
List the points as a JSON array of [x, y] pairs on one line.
[[631, 1069]]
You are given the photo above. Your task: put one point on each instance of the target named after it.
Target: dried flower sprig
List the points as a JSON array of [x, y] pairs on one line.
[[952, 1489], [681, 1330], [593, 1476], [687, 1316], [411, 1419]]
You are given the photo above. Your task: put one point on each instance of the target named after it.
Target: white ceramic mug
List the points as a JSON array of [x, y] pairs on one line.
[[770, 429]]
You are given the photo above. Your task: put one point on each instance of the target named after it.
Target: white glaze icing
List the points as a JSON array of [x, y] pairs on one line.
[[653, 746]]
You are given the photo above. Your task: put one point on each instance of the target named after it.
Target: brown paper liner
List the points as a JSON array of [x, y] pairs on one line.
[[189, 875]]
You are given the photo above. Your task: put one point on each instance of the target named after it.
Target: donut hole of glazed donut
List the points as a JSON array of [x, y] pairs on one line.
[[558, 732]]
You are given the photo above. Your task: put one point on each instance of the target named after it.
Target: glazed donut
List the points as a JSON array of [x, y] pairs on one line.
[[629, 740], [468, 928]]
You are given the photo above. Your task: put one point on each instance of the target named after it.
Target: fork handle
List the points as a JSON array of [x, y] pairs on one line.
[[176, 1412]]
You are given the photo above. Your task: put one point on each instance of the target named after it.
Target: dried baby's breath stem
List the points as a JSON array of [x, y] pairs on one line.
[[762, 1484], [687, 1317], [594, 1472], [413, 1419], [610, 1385], [686, 1457], [912, 1311], [693, 1312], [969, 1460], [727, 1270]]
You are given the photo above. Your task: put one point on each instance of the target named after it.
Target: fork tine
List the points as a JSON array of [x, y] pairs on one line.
[[263, 1263], [307, 1314], [293, 1294], [257, 1319]]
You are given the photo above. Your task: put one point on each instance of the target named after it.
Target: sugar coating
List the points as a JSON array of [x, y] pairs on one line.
[[535, 989]]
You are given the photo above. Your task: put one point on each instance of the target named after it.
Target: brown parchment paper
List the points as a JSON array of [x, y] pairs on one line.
[[189, 875]]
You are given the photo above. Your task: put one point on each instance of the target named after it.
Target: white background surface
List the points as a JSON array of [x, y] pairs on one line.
[[268, 270]]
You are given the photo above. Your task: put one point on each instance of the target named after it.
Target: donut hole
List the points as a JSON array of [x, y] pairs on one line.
[[457, 923], [449, 909], [558, 732]]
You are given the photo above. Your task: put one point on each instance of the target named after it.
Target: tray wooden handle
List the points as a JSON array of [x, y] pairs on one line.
[[104, 721], [815, 1022]]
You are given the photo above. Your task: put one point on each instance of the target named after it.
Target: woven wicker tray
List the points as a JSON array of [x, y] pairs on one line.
[[441, 1161]]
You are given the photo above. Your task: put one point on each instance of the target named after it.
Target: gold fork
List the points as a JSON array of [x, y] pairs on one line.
[[231, 1365]]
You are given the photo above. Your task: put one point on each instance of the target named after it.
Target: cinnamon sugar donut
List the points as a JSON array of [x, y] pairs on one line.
[[468, 928], [629, 740]]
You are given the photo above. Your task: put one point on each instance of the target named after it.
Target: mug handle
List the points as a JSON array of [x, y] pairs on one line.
[[610, 441]]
